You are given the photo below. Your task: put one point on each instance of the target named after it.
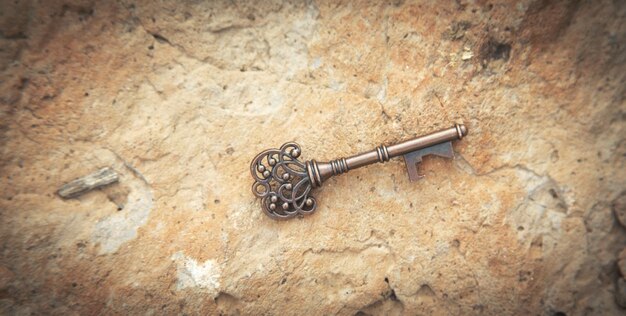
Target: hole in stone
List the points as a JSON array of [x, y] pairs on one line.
[[393, 296], [494, 50], [553, 193], [160, 38]]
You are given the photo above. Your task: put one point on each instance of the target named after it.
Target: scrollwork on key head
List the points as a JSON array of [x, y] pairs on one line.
[[282, 182]]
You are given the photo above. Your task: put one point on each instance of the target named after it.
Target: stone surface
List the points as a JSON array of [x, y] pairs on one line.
[[178, 97]]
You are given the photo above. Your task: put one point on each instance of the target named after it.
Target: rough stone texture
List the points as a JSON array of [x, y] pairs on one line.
[[620, 292], [619, 206], [179, 96], [621, 262]]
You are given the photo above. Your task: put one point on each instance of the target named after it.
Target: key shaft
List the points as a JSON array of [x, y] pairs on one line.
[[321, 171]]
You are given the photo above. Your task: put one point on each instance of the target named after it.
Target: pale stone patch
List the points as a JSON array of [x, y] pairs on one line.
[[193, 274], [120, 227]]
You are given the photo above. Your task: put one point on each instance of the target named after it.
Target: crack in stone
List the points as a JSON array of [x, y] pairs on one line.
[[128, 165], [376, 306]]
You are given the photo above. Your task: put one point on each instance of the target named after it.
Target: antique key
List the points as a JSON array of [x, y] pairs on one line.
[[284, 183]]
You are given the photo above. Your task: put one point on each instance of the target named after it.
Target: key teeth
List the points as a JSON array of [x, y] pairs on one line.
[[413, 158], [419, 177]]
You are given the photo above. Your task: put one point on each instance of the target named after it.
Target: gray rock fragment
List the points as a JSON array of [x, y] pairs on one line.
[[89, 182]]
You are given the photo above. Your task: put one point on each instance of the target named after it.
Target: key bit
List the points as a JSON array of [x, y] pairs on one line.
[[284, 183], [413, 158]]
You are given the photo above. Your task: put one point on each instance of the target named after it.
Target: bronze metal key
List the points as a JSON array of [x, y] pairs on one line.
[[284, 183]]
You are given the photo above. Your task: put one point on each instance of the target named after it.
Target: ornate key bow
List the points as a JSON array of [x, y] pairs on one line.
[[284, 183]]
